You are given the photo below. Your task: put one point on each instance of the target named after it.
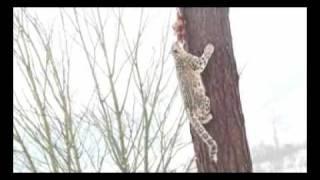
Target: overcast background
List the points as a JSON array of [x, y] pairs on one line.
[[270, 52]]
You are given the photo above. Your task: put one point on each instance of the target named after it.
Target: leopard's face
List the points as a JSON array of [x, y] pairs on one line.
[[177, 51]]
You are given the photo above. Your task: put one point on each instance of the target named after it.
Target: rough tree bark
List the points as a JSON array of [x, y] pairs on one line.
[[204, 25]]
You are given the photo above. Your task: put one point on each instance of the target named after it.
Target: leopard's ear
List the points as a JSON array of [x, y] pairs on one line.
[[178, 44], [183, 42]]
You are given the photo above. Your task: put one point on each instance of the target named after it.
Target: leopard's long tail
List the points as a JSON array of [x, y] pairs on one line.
[[206, 138]]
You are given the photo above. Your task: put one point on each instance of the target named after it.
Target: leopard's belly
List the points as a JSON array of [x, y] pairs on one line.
[[192, 88]]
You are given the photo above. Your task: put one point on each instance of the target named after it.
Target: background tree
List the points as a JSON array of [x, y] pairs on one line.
[[128, 123], [221, 79]]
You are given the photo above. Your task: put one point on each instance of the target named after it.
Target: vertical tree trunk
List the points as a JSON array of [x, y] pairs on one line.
[[211, 25]]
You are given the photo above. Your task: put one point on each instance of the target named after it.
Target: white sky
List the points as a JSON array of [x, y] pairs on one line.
[[272, 41], [269, 42]]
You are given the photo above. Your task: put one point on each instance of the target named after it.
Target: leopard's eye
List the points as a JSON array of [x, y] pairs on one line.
[[175, 51]]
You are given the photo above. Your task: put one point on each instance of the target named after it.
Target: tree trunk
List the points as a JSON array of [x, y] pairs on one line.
[[221, 80]]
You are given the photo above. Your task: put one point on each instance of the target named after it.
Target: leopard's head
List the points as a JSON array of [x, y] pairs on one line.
[[177, 50]]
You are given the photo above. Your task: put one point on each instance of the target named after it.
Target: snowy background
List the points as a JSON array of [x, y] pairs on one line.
[[270, 52]]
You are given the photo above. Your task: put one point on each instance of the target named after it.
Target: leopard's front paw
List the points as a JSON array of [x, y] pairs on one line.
[[209, 49]]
